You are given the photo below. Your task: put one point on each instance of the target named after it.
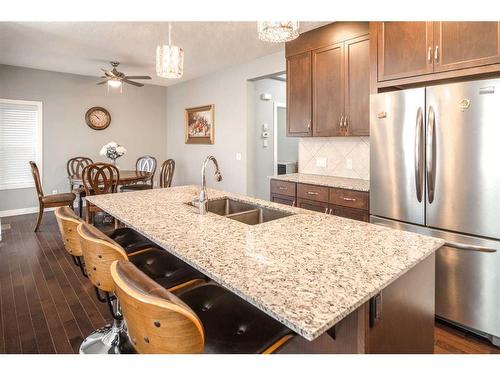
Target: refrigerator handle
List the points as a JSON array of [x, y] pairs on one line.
[[430, 151], [418, 154]]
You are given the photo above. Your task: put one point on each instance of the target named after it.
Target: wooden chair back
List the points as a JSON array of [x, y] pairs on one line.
[[99, 252], [68, 223], [75, 165], [167, 173], [157, 321], [38, 183], [100, 178]]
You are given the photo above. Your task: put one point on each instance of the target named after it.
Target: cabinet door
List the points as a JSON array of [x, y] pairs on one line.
[[312, 205], [459, 45], [404, 49], [357, 86], [298, 79], [283, 199], [328, 90], [350, 213]]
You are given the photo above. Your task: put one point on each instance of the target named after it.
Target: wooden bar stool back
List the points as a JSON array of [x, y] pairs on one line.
[[99, 178], [157, 320], [167, 173], [68, 223]]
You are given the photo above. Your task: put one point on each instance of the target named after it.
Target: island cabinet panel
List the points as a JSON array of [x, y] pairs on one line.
[[299, 111], [404, 49], [459, 45], [328, 90]]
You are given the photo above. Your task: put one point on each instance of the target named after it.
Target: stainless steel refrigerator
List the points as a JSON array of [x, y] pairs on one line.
[[435, 170]]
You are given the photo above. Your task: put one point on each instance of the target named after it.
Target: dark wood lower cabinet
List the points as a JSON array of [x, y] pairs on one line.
[[312, 205], [350, 213], [283, 199]]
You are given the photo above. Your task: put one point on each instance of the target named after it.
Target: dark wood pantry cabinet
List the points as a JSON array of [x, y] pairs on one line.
[[328, 76]]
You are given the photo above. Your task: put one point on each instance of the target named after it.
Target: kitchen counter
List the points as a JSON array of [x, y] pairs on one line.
[[308, 270], [329, 181]]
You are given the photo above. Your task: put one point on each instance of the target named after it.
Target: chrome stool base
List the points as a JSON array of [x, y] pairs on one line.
[[110, 339]]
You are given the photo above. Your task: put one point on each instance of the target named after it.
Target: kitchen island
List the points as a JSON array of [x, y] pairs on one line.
[[324, 277]]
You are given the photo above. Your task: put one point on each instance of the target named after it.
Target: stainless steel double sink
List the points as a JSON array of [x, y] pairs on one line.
[[243, 212]]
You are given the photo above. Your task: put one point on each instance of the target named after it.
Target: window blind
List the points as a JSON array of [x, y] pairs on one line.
[[20, 135]]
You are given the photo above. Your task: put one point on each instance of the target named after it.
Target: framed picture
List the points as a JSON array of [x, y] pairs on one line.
[[200, 126]]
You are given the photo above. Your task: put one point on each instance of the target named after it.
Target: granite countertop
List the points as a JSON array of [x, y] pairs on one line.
[[308, 270], [330, 181]]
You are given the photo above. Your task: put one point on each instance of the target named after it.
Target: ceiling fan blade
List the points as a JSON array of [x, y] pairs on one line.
[[137, 77], [132, 82], [102, 83]]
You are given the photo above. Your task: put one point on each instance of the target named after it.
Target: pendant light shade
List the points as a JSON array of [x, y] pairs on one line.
[[278, 31], [169, 59]]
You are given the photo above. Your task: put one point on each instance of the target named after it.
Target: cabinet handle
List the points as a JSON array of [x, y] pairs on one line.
[[429, 55], [282, 188], [346, 126], [293, 204], [341, 122], [436, 54], [309, 125], [326, 211], [349, 199], [312, 193], [330, 212]]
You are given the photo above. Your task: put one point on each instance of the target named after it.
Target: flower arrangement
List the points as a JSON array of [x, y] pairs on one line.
[[113, 151]]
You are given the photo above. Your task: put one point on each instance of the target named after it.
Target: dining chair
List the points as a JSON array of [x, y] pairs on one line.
[[146, 164], [75, 167], [48, 201], [99, 252], [97, 179], [167, 173], [203, 319]]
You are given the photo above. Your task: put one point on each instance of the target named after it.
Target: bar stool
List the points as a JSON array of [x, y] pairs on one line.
[[68, 221], [204, 319], [99, 251]]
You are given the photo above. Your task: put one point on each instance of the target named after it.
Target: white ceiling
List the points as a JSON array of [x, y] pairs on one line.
[[85, 47]]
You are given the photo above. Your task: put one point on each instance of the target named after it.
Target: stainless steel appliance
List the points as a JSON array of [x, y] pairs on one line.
[[435, 170]]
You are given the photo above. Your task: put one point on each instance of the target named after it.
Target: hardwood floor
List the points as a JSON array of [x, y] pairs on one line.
[[48, 306]]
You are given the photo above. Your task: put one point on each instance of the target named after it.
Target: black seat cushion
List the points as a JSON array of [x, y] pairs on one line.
[[135, 187], [164, 268], [130, 240], [231, 324]]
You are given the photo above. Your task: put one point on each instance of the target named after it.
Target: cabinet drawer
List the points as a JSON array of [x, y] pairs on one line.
[[283, 199], [349, 198], [283, 188], [312, 205], [312, 192], [350, 213]]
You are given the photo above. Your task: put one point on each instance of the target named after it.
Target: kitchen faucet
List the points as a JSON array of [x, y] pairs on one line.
[[203, 198]]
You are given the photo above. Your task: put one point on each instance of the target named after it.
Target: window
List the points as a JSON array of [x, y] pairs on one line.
[[20, 142]]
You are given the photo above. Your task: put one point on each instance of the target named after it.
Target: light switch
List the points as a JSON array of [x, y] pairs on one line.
[[238, 156], [265, 143], [321, 162], [348, 163]]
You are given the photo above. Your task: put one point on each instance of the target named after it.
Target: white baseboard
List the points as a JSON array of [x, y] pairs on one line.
[[22, 211]]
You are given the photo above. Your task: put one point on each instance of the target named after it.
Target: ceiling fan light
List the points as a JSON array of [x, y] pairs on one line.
[[114, 83], [169, 61], [278, 31]]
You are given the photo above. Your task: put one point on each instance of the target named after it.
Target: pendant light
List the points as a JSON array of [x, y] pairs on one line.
[[278, 31], [169, 59]]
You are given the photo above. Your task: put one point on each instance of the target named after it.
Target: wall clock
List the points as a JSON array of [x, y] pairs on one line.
[[98, 118]]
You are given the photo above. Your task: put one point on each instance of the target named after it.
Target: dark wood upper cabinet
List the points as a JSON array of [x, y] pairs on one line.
[[459, 45], [328, 90], [339, 81], [357, 86], [404, 49], [299, 77]]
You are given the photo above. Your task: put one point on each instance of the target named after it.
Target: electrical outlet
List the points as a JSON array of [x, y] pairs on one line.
[[238, 156], [54, 191], [321, 162], [348, 163]]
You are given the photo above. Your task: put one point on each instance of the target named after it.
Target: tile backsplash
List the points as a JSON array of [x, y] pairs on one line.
[[345, 157]]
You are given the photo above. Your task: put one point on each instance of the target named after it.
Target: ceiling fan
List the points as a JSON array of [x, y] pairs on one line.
[[114, 78]]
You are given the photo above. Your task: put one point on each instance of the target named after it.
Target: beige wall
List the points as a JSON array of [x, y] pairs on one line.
[[228, 90], [138, 123]]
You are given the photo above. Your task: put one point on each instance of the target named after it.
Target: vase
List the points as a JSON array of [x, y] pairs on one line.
[[113, 162]]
